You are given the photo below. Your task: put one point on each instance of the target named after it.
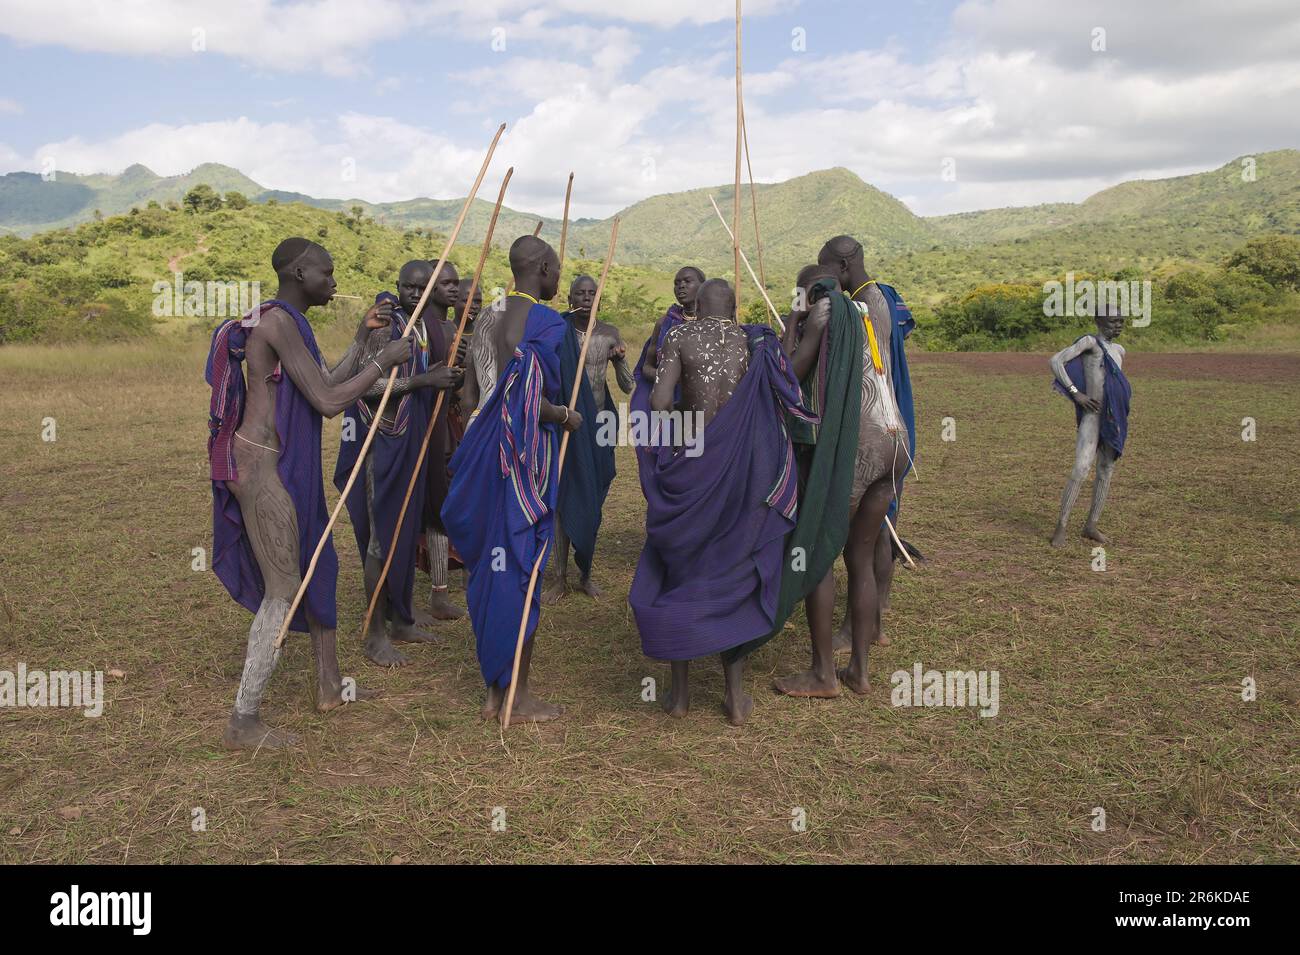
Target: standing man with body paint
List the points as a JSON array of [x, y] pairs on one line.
[[267, 486], [1090, 373]]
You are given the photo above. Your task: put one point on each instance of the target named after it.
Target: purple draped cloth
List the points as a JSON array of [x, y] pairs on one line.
[[298, 426], [500, 508], [394, 455], [710, 571], [639, 404]]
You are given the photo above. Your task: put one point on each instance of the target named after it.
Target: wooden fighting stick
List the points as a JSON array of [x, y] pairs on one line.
[[383, 401], [437, 403], [559, 470]]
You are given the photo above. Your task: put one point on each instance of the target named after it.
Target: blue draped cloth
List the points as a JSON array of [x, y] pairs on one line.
[[900, 378], [394, 455], [298, 426], [1116, 397], [588, 467], [710, 572], [500, 508]]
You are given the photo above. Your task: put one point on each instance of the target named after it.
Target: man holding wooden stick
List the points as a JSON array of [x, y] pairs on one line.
[[500, 509], [590, 469], [395, 453], [267, 488]]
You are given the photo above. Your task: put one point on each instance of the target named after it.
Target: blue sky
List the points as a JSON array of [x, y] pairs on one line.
[[948, 105]]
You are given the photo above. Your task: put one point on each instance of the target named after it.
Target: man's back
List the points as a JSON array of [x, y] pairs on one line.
[[713, 355]]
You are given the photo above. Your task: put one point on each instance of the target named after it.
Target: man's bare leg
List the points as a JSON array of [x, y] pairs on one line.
[[1085, 450], [884, 569], [677, 701], [819, 681], [329, 682], [864, 596], [527, 708], [379, 648], [441, 606], [245, 728], [557, 573], [1100, 488], [736, 703]]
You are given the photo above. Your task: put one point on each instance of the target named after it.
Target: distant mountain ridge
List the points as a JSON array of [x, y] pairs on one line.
[[1197, 216]]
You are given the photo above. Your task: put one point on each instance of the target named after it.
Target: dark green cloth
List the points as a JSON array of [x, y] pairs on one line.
[[822, 527]]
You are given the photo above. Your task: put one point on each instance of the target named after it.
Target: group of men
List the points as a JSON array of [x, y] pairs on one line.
[[802, 446]]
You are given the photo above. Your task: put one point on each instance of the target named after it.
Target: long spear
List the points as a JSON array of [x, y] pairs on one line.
[[744, 258], [564, 229], [437, 402], [735, 196], [383, 401], [564, 446], [753, 199]]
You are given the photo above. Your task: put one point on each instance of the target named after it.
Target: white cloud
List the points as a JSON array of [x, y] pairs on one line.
[[10, 106], [1024, 120]]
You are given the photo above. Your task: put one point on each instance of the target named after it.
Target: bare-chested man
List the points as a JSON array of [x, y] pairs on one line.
[[857, 340], [500, 509], [589, 467], [268, 492], [844, 256], [1090, 372], [445, 300], [376, 500]]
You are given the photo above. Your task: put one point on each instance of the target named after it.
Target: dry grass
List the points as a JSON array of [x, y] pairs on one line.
[[1119, 690]]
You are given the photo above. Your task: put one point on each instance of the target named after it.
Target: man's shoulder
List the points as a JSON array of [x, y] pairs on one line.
[[606, 329]]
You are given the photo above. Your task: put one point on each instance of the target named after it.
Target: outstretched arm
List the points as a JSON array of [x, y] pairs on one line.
[[311, 379], [378, 316]]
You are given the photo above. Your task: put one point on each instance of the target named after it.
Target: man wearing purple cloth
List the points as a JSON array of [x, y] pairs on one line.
[[268, 493], [717, 514]]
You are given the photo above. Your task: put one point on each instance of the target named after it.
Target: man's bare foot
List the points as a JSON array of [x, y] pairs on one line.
[[423, 619], [249, 732], [410, 633], [859, 683], [555, 591], [809, 684], [588, 587], [1092, 534], [843, 639], [532, 709], [441, 607], [492, 703], [737, 708], [882, 639], [380, 651], [1058, 539], [330, 696], [677, 703]]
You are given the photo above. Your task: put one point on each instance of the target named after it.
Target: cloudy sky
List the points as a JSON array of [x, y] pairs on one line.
[[1017, 101]]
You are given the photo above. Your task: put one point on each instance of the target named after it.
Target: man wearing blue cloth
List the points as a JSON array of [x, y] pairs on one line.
[[500, 508], [1089, 373], [589, 465]]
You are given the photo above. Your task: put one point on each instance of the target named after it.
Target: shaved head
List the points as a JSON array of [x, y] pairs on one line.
[[294, 251], [716, 300], [581, 279], [840, 247], [535, 265], [811, 273]]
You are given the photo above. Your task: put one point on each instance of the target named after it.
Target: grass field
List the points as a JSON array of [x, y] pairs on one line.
[[1120, 690]]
